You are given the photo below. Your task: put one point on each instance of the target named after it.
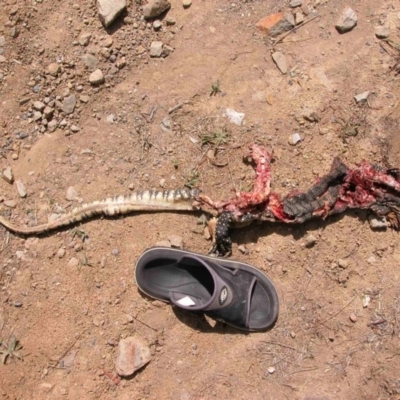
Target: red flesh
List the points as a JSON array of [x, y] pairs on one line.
[[361, 188]]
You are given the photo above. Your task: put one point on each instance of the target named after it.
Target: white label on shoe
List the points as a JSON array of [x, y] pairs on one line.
[[186, 301]]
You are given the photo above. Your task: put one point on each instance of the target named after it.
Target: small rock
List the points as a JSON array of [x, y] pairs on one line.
[[90, 61], [84, 38], [24, 101], [48, 112], [96, 77], [157, 25], [311, 117], [54, 69], [176, 241], [111, 118], [343, 277], [361, 97], [376, 222], [2, 41], [71, 194], [46, 386], [280, 61], [10, 203], [310, 240], [294, 139], [186, 3], [156, 49], [73, 262], [234, 116], [68, 104], [14, 32], [155, 8], [366, 301], [292, 334], [275, 24], [382, 32], [166, 124], [295, 3], [2, 59], [207, 233], [61, 252], [52, 125], [353, 317], [37, 115], [18, 304], [299, 18], [8, 175], [133, 354], [344, 264], [38, 105], [84, 98], [121, 63], [52, 217], [347, 21], [243, 249], [109, 10], [74, 129], [371, 260], [271, 370], [98, 321], [108, 42], [21, 188]]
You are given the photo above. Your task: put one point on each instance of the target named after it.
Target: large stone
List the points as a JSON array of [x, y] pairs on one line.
[[69, 103], [347, 21], [133, 354], [109, 10], [154, 8], [275, 24], [96, 77]]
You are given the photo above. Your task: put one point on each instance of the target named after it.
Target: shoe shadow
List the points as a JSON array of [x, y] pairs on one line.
[[199, 322]]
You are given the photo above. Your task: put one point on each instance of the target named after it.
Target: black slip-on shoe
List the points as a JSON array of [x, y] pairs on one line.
[[229, 291]]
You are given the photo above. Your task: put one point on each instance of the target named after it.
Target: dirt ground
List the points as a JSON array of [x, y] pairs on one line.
[[68, 301]]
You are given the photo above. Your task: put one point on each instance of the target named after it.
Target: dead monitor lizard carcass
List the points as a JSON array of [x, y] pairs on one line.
[[366, 186]]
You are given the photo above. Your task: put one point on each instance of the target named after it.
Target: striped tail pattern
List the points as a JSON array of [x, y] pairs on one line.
[[146, 200]]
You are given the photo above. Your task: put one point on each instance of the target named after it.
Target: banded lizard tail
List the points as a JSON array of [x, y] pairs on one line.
[[366, 186]]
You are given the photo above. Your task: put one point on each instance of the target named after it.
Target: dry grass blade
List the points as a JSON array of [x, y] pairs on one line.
[[10, 349]]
